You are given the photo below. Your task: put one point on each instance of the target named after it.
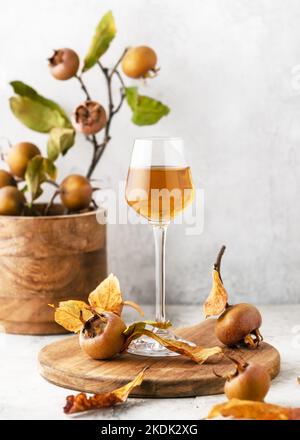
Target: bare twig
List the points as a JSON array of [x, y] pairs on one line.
[[114, 69], [99, 148], [52, 182], [55, 194], [83, 86]]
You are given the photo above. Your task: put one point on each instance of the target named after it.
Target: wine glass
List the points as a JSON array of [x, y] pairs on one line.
[[159, 186]]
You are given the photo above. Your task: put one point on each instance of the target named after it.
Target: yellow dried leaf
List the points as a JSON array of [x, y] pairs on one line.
[[197, 354], [218, 297], [81, 402], [139, 326], [71, 314], [107, 296], [134, 306], [246, 409]]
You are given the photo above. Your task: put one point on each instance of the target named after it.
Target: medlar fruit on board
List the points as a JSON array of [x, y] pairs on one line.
[[102, 335]]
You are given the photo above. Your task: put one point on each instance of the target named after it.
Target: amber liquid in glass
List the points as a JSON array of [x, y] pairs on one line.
[[159, 193]]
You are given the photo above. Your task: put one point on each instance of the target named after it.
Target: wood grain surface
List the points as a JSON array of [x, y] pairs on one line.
[[44, 260], [63, 363]]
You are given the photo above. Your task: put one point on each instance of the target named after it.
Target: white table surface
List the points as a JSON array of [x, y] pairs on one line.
[[24, 394]]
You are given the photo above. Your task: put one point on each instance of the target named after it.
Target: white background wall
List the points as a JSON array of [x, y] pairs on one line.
[[229, 74]]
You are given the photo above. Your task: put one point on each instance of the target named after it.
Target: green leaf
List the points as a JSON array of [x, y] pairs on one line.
[[38, 170], [35, 111], [60, 141], [105, 32], [33, 176], [145, 110], [49, 169]]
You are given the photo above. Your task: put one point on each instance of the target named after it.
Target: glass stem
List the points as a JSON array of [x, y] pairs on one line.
[[160, 233]]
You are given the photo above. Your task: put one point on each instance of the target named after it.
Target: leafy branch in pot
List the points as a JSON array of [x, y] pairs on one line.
[[29, 169]]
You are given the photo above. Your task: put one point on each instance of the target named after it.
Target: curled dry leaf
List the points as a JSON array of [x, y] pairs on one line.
[[108, 297], [218, 297], [197, 354], [72, 314], [134, 306], [81, 402], [247, 409], [137, 327]]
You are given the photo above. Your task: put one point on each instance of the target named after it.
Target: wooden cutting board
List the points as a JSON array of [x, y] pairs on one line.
[[64, 364]]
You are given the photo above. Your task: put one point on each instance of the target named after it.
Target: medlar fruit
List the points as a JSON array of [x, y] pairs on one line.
[[11, 201], [89, 117], [76, 192], [6, 179], [236, 324], [138, 61], [102, 335], [250, 381], [19, 156], [64, 64], [239, 324]]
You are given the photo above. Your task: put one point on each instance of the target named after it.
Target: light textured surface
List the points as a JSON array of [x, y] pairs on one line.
[[24, 394], [230, 73]]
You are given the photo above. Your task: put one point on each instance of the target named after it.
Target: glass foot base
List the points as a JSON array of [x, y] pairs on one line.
[[146, 346]]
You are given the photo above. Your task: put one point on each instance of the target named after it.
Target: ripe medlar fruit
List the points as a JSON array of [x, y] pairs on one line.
[[89, 117], [11, 201], [6, 179], [250, 381], [76, 192], [64, 64], [238, 324], [138, 61], [19, 156], [102, 335]]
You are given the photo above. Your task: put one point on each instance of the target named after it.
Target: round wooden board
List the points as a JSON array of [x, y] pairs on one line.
[[64, 364]]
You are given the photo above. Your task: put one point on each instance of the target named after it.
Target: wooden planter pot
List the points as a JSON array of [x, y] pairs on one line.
[[44, 260]]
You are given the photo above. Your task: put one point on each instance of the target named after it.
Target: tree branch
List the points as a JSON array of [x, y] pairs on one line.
[[99, 148], [83, 87]]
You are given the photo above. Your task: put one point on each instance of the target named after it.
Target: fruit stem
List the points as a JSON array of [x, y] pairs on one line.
[[83, 86], [49, 205], [240, 366], [217, 265]]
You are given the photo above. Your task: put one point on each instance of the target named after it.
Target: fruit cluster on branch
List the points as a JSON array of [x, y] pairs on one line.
[[29, 169]]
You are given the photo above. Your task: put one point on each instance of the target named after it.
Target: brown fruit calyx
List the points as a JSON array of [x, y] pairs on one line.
[[139, 61], [102, 335], [217, 300], [89, 117], [249, 381], [64, 64]]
